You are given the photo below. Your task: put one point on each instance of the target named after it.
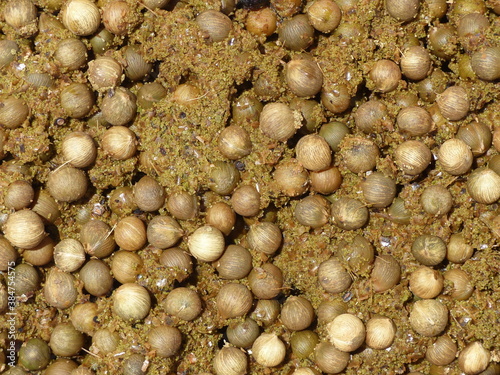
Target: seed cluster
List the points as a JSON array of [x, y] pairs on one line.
[[250, 187]]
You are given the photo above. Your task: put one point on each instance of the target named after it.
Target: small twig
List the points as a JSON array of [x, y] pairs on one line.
[[88, 352], [62, 165], [145, 6]]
